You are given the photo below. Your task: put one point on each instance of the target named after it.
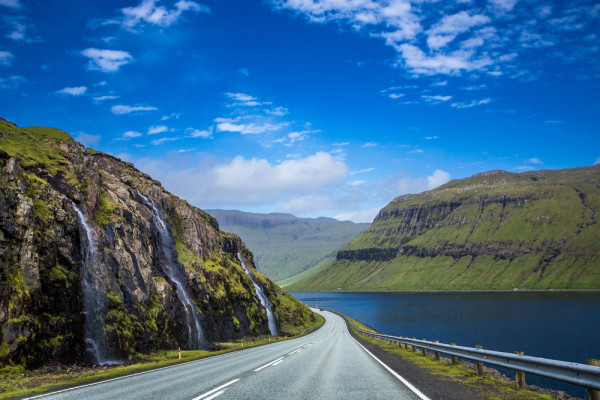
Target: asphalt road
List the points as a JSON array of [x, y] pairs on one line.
[[326, 364]]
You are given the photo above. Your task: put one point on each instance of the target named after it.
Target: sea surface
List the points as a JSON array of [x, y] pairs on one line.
[[559, 325]]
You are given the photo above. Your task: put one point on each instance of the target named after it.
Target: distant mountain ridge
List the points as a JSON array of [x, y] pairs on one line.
[[285, 245], [494, 230]]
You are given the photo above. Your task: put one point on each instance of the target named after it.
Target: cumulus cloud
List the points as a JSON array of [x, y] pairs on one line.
[[106, 60], [359, 216], [597, 161], [243, 181], [121, 109], [156, 129], [197, 133], [450, 26], [438, 178], [150, 13], [453, 63], [6, 58], [72, 91], [131, 134]]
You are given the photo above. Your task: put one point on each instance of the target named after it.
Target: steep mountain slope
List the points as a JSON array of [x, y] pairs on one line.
[[98, 261], [285, 245], [495, 230]]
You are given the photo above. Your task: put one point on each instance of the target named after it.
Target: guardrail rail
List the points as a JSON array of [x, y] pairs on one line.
[[579, 374]]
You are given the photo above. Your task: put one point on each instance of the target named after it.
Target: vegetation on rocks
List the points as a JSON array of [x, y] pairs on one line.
[[43, 251], [494, 231]]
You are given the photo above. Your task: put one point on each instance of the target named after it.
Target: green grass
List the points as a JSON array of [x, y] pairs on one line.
[[17, 382], [489, 386], [514, 240]]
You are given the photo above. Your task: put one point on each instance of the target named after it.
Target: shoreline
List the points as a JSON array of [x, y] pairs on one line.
[[453, 291]]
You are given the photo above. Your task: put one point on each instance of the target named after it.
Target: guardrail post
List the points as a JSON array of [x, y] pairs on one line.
[[520, 375], [424, 350], [594, 394], [454, 358], [413, 346], [436, 354], [479, 364]]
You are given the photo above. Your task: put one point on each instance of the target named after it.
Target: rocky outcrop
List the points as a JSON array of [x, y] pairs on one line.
[[44, 175], [494, 230]]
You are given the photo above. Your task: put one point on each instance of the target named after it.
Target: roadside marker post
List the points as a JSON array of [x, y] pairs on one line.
[[180, 352]]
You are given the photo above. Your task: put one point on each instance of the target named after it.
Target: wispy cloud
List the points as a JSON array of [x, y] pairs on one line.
[[247, 128], [10, 3], [121, 109], [12, 82], [197, 133], [361, 171], [431, 137], [106, 60], [105, 97], [132, 134], [88, 140], [156, 129], [72, 91], [436, 98], [469, 104], [6, 58], [160, 141], [370, 144], [534, 160]]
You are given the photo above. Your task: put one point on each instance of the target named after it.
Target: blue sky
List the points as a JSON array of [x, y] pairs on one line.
[[314, 107]]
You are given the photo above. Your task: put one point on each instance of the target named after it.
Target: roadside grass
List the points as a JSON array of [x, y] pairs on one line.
[[492, 387], [17, 382]]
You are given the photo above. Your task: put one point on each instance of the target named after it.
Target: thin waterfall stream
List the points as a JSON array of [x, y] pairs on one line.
[[263, 299], [93, 295], [170, 266]]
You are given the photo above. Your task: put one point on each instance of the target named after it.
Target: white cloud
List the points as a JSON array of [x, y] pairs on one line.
[[87, 140], [231, 125], [243, 99], [370, 144], [362, 171], [417, 151], [72, 91], [156, 129], [524, 168], [431, 137], [450, 26], [597, 161], [356, 183], [504, 5], [196, 133], [160, 141], [170, 116], [121, 109], [307, 204], [452, 63], [132, 134], [244, 71], [12, 82], [438, 178], [436, 98], [106, 60], [10, 3], [278, 111], [395, 95], [359, 216], [554, 122], [534, 160], [106, 97], [471, 103], [6, 58], [150, 13], [242, 181]]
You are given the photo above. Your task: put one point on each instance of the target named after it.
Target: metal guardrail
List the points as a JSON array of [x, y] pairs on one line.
[[570, 372]]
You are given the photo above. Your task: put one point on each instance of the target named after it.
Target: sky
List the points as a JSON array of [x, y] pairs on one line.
[[310, 107]]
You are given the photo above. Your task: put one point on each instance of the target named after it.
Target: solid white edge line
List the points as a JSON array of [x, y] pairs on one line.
[[215, 395], [401, 379], [269, 364], [215, 390]]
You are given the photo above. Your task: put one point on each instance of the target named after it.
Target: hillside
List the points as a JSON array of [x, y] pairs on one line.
[[494, 230], [98, 262], [284, 245]]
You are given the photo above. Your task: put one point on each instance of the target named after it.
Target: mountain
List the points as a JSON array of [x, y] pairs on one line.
[[494, 230], [98, 262], [285, 245]]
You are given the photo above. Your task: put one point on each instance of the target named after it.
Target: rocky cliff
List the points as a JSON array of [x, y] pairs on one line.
[[495, 230], [99, 262]]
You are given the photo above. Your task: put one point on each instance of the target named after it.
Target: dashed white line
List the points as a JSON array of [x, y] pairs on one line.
[[211, 392], [268, 365], [295, 351], [278, 362]]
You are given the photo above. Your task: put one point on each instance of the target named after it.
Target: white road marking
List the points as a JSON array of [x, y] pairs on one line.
[[205, 395], [295, 351], [269, 364], [401, 379], [278, 362], [215, 395]]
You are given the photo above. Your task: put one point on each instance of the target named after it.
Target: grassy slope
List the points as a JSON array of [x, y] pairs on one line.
[[555, 215], [286, 246]]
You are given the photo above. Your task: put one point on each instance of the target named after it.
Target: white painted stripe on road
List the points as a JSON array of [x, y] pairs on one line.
[[202, 396], [295, 351], [269, 364], [278, 362], [215, 395], [401, 379]]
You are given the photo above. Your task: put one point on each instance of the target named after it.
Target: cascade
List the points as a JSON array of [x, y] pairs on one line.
[[263, 299], [170, 266], [93, 294]]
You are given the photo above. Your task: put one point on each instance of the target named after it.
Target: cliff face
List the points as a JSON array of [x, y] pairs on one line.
[[496, 230], [76, 225]]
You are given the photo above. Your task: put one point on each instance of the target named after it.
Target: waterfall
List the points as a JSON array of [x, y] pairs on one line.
[[93, 294], [171, 267], [263, 299]]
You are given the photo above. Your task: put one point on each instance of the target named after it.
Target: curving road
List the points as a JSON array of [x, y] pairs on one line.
[[326, 364]]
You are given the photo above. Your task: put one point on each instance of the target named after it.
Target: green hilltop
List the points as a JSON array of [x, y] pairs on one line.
[[288, 248], [493, 231]]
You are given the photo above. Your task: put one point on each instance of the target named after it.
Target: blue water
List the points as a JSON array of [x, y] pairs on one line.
[[558, 325]]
